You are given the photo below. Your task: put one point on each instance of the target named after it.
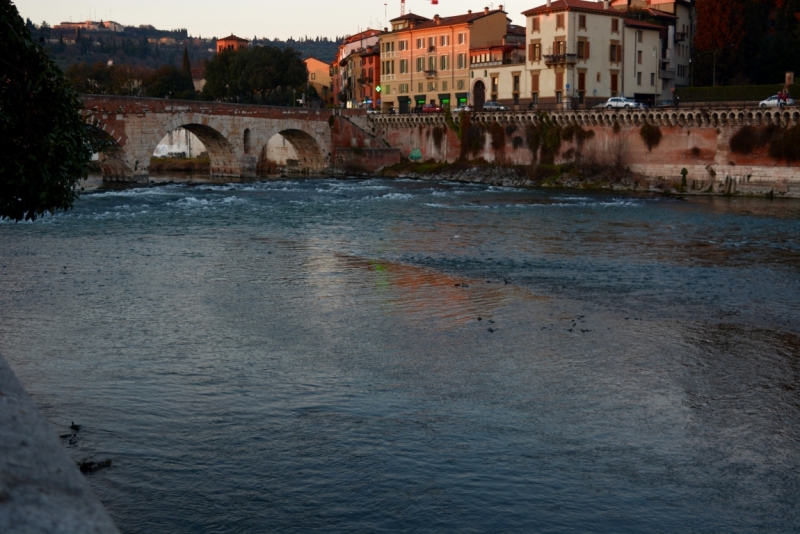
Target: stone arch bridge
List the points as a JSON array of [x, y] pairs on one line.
[[235, 135]]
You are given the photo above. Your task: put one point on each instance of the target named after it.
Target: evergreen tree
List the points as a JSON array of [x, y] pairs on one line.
[[187, 65]]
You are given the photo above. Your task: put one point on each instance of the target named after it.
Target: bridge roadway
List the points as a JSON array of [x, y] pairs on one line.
[[235, 135]]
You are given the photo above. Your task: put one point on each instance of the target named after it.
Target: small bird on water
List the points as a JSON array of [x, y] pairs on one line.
[[74, 427]]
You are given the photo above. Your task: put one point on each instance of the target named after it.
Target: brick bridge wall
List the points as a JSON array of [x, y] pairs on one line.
[[695, 139], [235, 135]]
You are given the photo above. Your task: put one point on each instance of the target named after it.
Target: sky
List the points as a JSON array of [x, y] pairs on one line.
[[261, 18]]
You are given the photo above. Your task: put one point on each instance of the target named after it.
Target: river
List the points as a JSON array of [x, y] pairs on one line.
[[370, 355]]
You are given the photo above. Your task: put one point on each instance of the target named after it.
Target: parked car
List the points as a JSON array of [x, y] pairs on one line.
[[772, 102], [432, 108], [463, 108], [494, 106], [620, 102], [373, 111]]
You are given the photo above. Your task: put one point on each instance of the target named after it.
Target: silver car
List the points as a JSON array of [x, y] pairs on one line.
[[494, 106], [772, 102], [620, 102]]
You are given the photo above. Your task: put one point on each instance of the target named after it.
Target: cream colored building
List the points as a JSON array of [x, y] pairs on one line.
[[427, 61], [580, 53], [497, 71]]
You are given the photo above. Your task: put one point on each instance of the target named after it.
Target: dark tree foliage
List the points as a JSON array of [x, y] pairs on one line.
[[187, 65], [262, 74], [169, 82], [47, 146], [102, 79]]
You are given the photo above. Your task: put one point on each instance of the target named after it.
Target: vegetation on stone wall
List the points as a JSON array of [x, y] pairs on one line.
[[438, 136], [751, 138], [498, 136], [577, 133], [472, 136], [448, 119], [786, 144], [651, 135]]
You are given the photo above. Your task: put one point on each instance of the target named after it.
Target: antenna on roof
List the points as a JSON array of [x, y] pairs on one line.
[[402, 8]]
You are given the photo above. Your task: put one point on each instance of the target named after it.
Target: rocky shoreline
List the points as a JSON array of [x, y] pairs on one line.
[[571, 177]]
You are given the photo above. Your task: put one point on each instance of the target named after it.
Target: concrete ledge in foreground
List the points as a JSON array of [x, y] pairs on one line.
[[41, 488]]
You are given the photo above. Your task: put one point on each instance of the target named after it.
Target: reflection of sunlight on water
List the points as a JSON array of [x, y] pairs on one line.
[[420, 293]]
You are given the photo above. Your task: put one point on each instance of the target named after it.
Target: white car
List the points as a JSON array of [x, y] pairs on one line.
[[494, 106], [772, 102], [461, 109], [620, 102]]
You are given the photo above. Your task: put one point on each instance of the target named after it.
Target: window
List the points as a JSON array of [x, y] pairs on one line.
[[402, 45], [444, 63], [403, 66], [460, 85], [598, 77], [534, 82], [559, 81], [431, 44], [444, 86], [639, 35], [535, 52], [581, 81], [615, 53], [581, 22], [583, 50], [420, 43], [462, 61], [638, 78], [391, 63], [559, 98], [431, 86], [516, 83], [614, 84], [536, 24], [535, 98], [560, 47], [420, 87], [462, 38], [313, 76], [420, 64], [432, 63], [653, 79], [559, 21], [495, 84], [404, 88], [444, 40], [615, 25]]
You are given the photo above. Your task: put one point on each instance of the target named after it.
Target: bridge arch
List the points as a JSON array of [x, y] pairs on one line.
[[309, 151]]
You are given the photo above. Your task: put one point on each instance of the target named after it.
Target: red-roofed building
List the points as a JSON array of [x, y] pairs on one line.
[[231, 43]]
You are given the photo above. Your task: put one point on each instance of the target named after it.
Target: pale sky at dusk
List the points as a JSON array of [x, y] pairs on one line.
[[246, 18]]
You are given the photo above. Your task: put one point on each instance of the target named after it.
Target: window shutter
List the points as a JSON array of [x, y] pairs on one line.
[[534, 83], [581, 81], [586, 50], [619, 53], [559, 81], [530, 52]]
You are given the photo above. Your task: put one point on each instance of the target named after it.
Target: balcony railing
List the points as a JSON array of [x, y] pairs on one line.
[[560, 59], [432, 48], [430, 74], [666, 74]]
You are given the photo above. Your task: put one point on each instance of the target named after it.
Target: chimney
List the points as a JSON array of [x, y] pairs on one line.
[[605, 5], [485, 10], [548, 3], [438, 19], [500, 7], [469, 12]]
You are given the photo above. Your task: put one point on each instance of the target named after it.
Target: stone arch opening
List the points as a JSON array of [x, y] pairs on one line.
[[112, 161], [479, 95], [247, 142], [295, 150], [221, 153]]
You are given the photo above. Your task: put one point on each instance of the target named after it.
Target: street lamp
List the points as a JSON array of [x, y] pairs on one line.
[[655, 89], [714, 52]]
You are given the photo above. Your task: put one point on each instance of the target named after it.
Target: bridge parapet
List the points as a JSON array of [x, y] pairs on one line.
[[681, 117]]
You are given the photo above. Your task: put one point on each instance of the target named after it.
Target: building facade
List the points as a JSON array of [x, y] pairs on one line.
[[497, 71], [346, 68], [231, 43], [319, 77], [427, 60]]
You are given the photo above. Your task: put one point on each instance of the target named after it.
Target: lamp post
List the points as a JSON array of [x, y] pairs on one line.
[[655, 89], [714, 53]]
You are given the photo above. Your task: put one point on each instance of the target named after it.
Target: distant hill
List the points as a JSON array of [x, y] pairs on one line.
[[146, 46]]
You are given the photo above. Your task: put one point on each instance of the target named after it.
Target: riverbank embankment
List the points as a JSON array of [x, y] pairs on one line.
[[41, 488], [589, 177]]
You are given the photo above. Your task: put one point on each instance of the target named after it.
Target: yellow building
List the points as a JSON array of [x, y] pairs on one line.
[[428, 61], [319, 77]]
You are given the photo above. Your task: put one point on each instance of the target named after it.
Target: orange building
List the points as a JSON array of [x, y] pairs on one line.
[[231, 43]]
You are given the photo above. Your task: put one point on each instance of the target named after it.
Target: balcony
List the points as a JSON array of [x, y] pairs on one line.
[[432, 49], [681, 37], [666, 74], [560, 59], [430, 74]]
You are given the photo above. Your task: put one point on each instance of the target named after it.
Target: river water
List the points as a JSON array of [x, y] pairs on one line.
[[380, 356]]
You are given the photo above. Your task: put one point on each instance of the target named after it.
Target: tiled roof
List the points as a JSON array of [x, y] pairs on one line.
[[458, 19], [410, 16], [560, 5], [633, 23], [233, 38]]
